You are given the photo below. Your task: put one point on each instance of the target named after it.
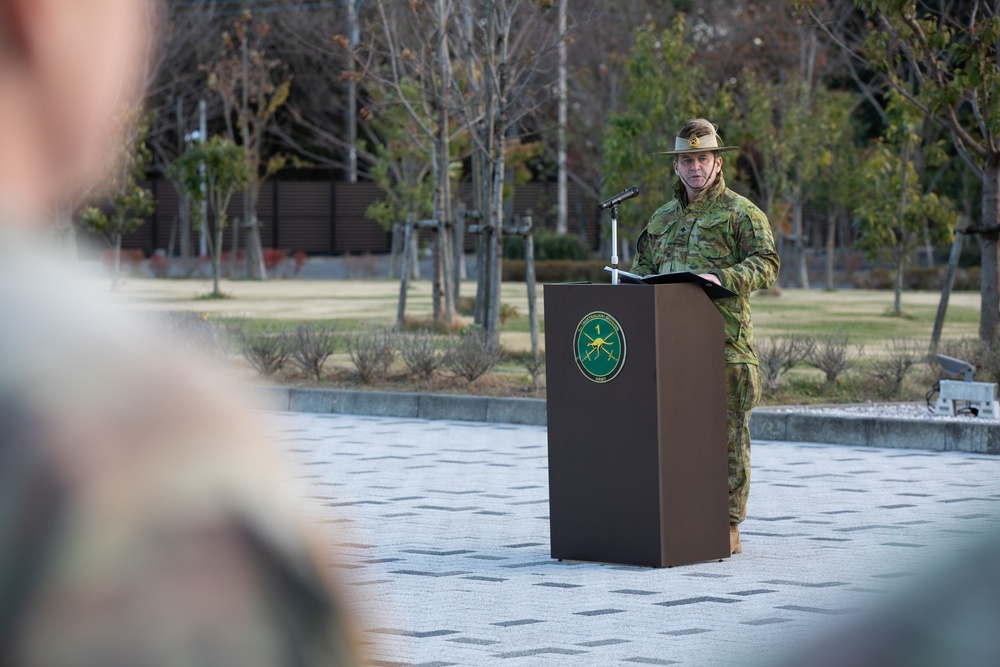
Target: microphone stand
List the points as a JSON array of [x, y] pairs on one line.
[[614, 244]]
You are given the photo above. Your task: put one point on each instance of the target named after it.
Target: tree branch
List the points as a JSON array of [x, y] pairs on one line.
[[964, 154]]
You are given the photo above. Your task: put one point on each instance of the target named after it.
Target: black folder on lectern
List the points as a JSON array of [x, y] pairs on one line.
[[711, 289]]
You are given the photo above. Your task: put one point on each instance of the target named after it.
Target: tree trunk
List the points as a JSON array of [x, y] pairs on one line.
[[444, 158], [117, 265], [799, 231], [499, 168], [404, 281], [352, 94], [397, 247], [562, 225], [436, 293], [831, 247], [255, 268], [458, 240], [254, 249], [414, 251], [183, 201], [184, 224], [901, 231], [928, 246], [446, 220], [529, 276], [237, 223], [897, 301], [172, 241], [447, 272], [492, 316], [949, 281], [990, 291], [217, 259], [482, 274]]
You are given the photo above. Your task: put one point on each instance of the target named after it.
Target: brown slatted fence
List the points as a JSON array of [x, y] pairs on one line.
[[328, 217]]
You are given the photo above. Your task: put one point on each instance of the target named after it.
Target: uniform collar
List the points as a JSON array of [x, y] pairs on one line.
[[714, 191]]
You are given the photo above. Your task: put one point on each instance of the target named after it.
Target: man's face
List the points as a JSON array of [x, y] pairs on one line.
[[698, 170]]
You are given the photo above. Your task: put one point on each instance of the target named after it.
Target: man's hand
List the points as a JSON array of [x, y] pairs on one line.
[[710, 277]]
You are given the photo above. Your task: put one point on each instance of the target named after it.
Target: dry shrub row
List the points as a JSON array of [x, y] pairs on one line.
[[835, 355], [470, 354], [269, 348]]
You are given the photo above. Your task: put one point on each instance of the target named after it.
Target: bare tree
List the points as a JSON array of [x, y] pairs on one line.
[[187, 38], [503, 47], [406, 60], [252, 87]]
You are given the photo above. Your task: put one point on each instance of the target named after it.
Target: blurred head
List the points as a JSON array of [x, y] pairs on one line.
[[67, 69]]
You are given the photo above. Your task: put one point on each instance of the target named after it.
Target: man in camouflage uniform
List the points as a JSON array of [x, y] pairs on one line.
[[710, 230]]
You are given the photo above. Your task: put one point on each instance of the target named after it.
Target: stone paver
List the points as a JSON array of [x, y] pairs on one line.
[[442, 533]]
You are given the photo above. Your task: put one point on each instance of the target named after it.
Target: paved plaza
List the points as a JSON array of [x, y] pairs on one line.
[[442, 531]]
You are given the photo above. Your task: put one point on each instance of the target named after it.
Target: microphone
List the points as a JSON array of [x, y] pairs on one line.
[[627, 193]]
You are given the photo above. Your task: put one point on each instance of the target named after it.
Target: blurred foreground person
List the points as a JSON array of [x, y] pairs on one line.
[[142, 520], [947, 616]]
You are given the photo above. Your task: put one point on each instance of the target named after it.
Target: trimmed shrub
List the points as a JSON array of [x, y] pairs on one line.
[[372, 352], [558, 271], [969, 279], [548, 246], [834, 355], [473, 354], [877, 278], [779, 354], [536, 368], [422, 352], [889, 369], [311, 345], [266, 347]]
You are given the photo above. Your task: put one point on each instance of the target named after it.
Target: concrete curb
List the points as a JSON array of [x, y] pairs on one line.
[[529, 411], [931, 435]]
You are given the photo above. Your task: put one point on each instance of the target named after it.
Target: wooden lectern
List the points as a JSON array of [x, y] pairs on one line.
[[638, 471]]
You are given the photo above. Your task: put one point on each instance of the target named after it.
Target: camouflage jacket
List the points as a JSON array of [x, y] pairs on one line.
[[144, 519], [722, 233]]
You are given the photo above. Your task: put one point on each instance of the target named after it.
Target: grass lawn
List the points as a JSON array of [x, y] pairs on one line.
[[860, 314], [355, 304], [863, 315]]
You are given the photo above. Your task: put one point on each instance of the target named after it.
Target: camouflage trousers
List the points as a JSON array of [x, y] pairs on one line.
[[742, 394]]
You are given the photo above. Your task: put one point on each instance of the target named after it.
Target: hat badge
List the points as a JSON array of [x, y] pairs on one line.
[[694, 142]]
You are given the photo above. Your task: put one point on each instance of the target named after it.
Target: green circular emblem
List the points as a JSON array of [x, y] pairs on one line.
[[600, 347]]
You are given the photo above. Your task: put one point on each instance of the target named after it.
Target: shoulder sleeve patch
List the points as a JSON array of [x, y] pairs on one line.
[[640, 245]]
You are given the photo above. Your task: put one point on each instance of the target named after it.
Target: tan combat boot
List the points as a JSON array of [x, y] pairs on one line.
[[734, 539]]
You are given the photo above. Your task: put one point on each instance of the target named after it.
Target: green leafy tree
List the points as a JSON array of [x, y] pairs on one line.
[[789, 132], [838, 164], [665, 86], [402, 170], [893, 210], [130, 204], [942, 58], [213, 170], [765, 146]]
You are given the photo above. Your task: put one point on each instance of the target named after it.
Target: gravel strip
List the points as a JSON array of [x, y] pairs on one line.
[[884, 410]]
